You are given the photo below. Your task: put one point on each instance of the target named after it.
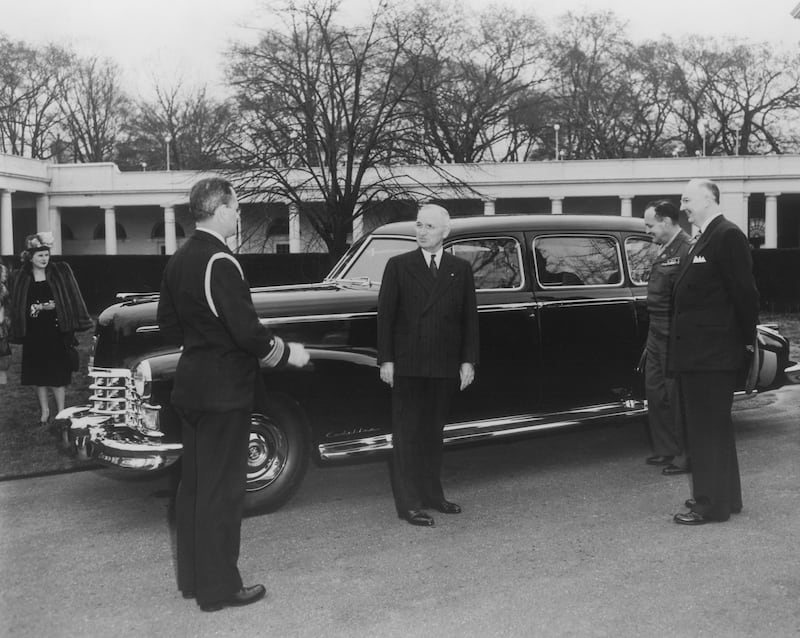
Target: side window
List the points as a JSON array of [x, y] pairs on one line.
[[496, 261], [577, 261], [640, 252]]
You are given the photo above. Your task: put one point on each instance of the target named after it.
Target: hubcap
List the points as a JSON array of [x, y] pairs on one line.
[[267, 454]]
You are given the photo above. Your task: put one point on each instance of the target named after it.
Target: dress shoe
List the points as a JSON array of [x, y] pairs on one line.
[[659, 459], [690, 503], [416, 517], [245, 596], [694, 518], [446, 507], [671, 469], [187, 594]]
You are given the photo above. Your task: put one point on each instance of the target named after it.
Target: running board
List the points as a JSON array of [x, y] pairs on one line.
[[486, 429]]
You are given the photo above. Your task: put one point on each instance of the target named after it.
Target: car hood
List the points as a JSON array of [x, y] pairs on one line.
[[300, 301]]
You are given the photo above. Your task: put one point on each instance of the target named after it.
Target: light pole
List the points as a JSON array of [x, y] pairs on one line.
[[556, 127], [167, 140], [701, 126]]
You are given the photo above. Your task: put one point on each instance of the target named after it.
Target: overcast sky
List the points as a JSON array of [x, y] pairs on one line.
[[186, 38]]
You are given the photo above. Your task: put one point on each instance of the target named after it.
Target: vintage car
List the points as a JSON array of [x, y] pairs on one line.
[[562, 326]]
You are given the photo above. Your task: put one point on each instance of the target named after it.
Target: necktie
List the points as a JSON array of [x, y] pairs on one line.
[[434, 269]]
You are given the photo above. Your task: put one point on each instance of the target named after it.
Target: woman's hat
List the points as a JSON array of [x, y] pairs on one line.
[[35, 243]]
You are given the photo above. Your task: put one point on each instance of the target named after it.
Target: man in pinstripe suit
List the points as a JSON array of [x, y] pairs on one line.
[[427, 347], [205, 306]]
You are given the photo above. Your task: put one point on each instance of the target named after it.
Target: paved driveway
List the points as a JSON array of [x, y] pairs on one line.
[[569, 534]]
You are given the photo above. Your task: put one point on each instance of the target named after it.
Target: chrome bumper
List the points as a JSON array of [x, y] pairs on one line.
[[97, 436], [793, 373]]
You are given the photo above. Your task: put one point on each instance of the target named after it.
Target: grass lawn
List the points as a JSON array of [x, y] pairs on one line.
[[29, 449]]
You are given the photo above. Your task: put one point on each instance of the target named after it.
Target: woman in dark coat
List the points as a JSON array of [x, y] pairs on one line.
[[47, 310]]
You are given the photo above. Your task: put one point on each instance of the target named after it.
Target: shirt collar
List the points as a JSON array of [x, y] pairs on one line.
[[437, 254], [705, 224], [214, 233]]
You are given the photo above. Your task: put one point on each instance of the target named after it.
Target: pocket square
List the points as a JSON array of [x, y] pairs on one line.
[[699, 259]]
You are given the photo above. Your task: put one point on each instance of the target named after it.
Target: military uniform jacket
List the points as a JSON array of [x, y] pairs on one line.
[[664, 273], [715, 302], [205, 305], [427, 326]]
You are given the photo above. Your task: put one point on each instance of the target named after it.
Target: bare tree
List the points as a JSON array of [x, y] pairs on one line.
[[472, 76], [29, 113], [320, 106], [186, 122], [738, 97], [93, 106]]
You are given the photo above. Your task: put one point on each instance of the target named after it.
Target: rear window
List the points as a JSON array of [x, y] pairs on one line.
[[577, 260]]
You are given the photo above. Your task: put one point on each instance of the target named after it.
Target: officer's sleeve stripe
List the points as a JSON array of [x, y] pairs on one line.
[[276, 354], [207, 284]]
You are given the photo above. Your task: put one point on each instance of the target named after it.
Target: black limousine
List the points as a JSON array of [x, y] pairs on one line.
[[563, 322]]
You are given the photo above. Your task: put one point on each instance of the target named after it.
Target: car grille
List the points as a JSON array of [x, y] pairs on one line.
[[113, 395]]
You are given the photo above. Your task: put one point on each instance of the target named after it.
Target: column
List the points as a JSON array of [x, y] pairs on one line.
[[771, 221], [170, 238], [54, 213], [556, 207], [294, 228], [111, 230], [43, 214], [6, 223], [626, 206], [488, 206], [358, 222]]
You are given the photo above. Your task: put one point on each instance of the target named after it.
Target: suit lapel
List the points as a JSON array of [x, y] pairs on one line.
[[443, 280], [419, 269], [701, 243]]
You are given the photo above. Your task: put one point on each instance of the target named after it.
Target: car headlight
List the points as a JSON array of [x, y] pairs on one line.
[[143, 379]]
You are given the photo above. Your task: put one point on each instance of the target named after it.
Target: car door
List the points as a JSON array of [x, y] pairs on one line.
[[586, 317], [506, 382]]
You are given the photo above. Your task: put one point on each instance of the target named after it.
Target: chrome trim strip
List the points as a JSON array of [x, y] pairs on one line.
[[482, 308], [585, 302], [469, 431]]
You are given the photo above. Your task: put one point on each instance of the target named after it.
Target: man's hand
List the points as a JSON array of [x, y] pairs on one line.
[[298, 355], [387, 373], [466, 374]]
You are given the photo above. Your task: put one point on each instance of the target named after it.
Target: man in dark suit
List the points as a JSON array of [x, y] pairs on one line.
[[664, 416], [713, 335], [427, 347], [205, 305]]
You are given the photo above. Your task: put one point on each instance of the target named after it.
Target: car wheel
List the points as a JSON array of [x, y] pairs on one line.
[[277, 457]]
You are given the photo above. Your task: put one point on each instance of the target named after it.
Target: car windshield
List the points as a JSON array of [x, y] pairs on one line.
[[365, 261]]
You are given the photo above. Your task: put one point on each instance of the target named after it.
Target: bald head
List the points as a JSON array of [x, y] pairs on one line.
[[700, 200]]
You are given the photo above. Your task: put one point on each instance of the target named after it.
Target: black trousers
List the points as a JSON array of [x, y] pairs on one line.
[[420, 406], [707, 400], [210, 502]]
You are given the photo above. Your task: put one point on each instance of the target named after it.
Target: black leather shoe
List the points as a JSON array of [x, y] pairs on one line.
[[671, 469], [416, 517], [187, 594], [245, 596], [446, 507], [689, 518], [694, 518], [659, 460], [690, 503]]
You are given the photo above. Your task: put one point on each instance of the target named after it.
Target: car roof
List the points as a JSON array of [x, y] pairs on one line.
[[519, 223]]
